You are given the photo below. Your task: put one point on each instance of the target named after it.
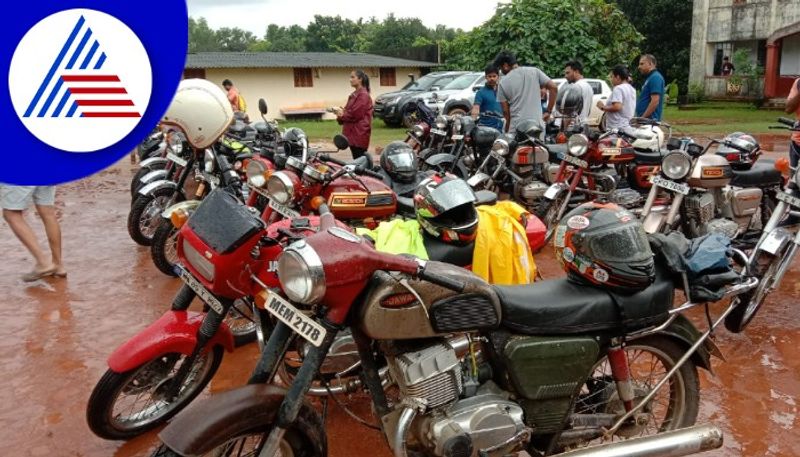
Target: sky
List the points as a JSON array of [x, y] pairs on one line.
[[255, 15]]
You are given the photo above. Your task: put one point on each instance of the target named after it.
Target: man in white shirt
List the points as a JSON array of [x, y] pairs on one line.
[[621, 105], [573, 73]]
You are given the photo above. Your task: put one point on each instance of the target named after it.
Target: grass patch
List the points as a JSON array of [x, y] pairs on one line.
[[325, 130]]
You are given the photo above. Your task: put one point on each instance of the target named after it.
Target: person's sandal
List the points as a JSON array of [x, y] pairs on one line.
[[37, 275]]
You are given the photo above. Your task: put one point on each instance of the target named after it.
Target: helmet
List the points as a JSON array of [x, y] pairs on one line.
[[528, 130], [399, 161], [569, 100], [294, 140], [483, 137], [445, 208], [739, 148], [604, 244], [201, 110], [463, 125]]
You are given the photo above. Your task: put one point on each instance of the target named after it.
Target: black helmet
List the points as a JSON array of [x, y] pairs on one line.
[[483, 137], [294, 139], [445, 208], [463, 125], [569, 100], [528, 130], [605, 245], [399, 161]]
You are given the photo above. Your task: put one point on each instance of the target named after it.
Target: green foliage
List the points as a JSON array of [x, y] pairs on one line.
[[672, 92], [285, 39], [332, 34], [667, 29], [397, 33], [234, 39], [203, 38], [548, 33], [696, 92]]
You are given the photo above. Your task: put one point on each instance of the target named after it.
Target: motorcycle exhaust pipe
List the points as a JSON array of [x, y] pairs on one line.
[[686, 441]]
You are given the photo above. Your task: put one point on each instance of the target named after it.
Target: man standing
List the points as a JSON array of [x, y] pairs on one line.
[[793, 106], [727, 66], [233, 96], [651, 97], [16, 199], [486, 109], [573, 72], [619, 107], [519, 92]]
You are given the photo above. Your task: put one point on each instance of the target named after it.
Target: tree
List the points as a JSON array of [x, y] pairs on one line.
[[285, 39], [396, 33], [202, 38], [548, 33], [670, 45], [234, 39], [329, 33]]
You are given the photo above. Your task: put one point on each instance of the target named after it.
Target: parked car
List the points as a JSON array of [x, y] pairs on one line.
[[390, 107], [456, 97], [601, 91]]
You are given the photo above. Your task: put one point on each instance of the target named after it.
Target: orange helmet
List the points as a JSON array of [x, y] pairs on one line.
[[605, 245]]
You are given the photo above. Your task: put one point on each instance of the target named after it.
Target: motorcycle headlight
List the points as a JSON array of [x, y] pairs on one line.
[[418, 131], [280, 188], [500, 146], [676, 165], [441, 122], [255, 173], [176, 143], [578, 145], [301, 274], [208, 161]]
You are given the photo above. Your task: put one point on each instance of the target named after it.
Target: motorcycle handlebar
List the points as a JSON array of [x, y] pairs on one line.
[[358, 170], [786, 121], [327, 158], [444, 281]]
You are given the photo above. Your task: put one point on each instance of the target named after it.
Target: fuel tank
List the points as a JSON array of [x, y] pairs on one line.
[[710, 171], [348, 198]]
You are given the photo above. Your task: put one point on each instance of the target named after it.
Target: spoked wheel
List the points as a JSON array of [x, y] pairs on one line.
[[145, 215], [547, 210], [164, 247], [241, 321], [250, 444], [136, 183], [748, 304], [341, 365], [674, 406], [124, 405]]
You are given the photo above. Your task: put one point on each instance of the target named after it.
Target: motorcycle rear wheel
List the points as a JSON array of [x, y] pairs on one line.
[[146, 211], [164, 247], [748, 304], [113, 386]]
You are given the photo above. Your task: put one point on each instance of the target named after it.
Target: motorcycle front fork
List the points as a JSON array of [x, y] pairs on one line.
[[621, 372]]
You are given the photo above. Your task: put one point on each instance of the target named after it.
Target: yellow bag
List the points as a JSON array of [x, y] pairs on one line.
[[241, 103]]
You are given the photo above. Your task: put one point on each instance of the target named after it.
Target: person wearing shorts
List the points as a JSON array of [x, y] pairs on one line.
[[15, 200]]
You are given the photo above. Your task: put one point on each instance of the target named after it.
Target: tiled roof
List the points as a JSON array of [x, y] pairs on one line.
[[297, 60]]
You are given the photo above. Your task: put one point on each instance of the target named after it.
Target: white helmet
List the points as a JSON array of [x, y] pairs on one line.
[[201, 110]]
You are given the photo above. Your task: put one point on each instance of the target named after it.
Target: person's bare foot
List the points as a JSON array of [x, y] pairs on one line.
[[39, 273]]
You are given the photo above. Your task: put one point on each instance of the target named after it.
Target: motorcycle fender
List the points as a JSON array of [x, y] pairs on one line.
[[153, 161], [188, 206], [683, 332], [555, 190], [175, 331], [153, 176], [776, 241], [210, 423], [478, 179], [154, 186], [439, 159], [655, 219]]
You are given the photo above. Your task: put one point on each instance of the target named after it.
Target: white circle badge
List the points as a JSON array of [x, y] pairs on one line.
[[80, 80]]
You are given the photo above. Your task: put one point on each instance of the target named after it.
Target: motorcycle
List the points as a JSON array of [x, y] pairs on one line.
[[480, 370], [704, 194], [448, 159], [774, 252], [160, 166]]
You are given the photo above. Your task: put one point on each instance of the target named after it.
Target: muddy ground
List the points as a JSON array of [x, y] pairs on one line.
[[56, 334]]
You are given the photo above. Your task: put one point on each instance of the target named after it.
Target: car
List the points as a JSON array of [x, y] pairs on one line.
[[390, 106], [601, 91], [456, 97]]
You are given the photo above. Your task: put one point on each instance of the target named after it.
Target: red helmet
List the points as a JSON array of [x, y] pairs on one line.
[[604, 244], [445, 208]]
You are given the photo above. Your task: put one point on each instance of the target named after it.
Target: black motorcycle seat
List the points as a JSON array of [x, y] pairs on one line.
[[485, 197], [556, 151], [460, 256], [649, 157], [762, 174], [562, 307], [405, 206]]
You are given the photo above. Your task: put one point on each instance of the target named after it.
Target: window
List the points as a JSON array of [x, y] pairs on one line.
[[194, 73], [721, 50], [388, 77], [303, 77], [597, 88]]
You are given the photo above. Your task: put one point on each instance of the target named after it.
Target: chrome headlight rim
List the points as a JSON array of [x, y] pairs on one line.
[[667, 165], [501, 147], [310, 272], [440, 122], [175, 143], [287, 191], [255, 173], [418, 131], [577, 145]]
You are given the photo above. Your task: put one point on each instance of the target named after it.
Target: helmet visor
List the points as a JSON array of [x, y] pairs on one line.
[[621, 244], [452, 194], [403, 162]]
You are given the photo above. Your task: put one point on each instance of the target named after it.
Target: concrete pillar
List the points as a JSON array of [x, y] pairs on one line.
[[771, 70], [699, 50]]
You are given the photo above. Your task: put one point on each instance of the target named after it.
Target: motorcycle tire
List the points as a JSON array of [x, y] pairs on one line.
[[136, 181], [599, 393], [748, 304], [142, 203], [164, 247], [100, 408], [242, 324], [547, 211]]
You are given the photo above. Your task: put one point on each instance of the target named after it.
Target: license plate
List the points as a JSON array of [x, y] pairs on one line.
[[202, 292], [180, 161], [784, 197], [681, 188], [575, 161], [283, 210], [457, 137], [612, 151], [305, 326], [438, 132]]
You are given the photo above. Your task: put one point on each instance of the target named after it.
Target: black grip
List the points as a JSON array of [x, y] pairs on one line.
[[327, 158], [786, 121], [444, 281], [374, 174]]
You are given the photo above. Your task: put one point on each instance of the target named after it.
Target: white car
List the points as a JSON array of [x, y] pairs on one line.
[[601, 91], [461, 89]]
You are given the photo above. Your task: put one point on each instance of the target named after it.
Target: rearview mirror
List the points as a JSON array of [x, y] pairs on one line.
[[262, 106], [341, 142]]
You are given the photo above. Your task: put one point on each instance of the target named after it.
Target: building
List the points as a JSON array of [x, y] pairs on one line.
[[301, 84], [768, 29]]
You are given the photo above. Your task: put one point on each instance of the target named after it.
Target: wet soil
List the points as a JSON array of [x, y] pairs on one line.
[[57, 333]]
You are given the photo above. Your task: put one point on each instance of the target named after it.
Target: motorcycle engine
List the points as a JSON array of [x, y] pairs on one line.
[[463, 414], [530, 193], [700, 211]]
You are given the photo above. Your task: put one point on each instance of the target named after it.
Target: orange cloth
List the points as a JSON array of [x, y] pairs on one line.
[[233, 97], [792, 93]]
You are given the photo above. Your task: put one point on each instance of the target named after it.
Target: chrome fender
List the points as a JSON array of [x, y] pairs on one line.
[[154, 186], [153, 176], [153, 161], [478, 179], [776, 241], [555, 190]]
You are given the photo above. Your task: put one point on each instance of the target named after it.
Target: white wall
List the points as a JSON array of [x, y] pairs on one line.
[[790, 55]]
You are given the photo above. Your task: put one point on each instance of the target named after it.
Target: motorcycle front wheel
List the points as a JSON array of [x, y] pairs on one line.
[[136, 181], [747, 305], [125, 405], [547, 211], [146, 212], [164, 247]]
